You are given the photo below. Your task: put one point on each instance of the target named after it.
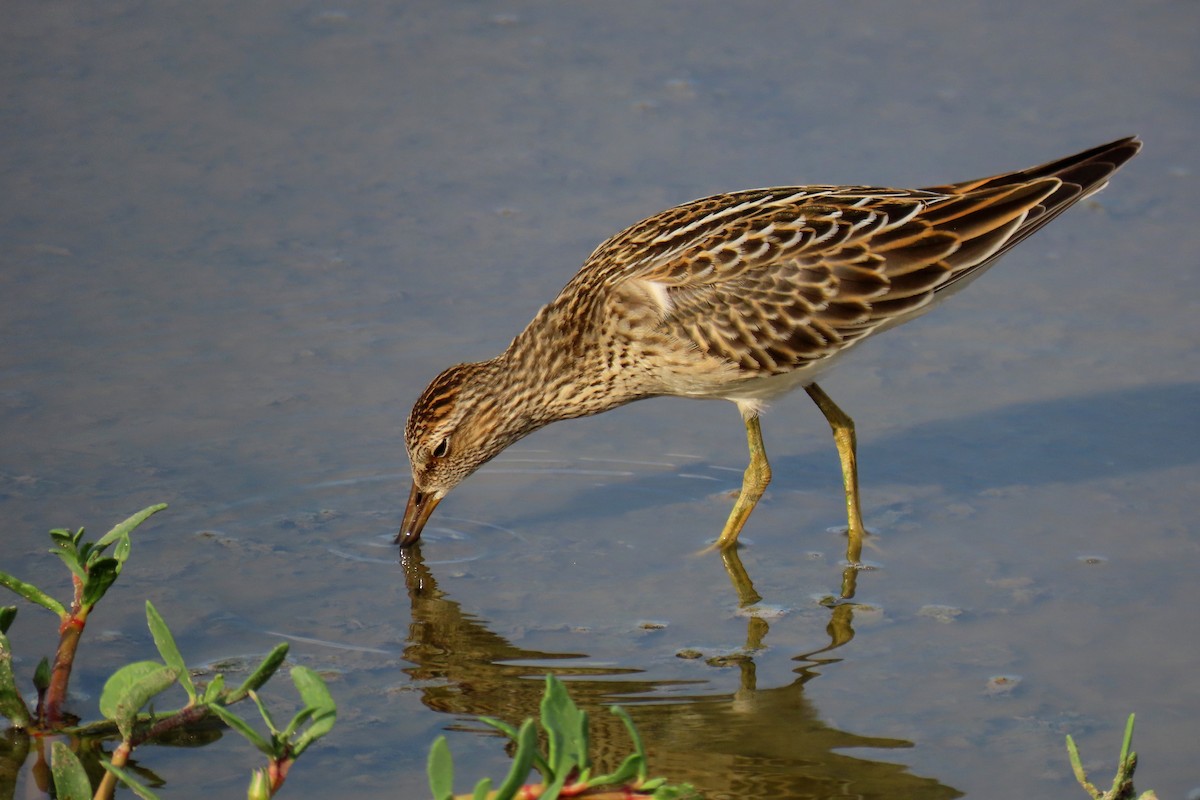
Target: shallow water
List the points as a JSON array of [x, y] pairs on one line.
[[237, 240]]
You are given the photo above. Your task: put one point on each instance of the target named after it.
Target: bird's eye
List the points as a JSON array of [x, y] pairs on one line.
[[441, 449]]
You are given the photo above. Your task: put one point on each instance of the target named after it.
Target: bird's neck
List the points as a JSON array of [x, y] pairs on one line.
[[554, 370]]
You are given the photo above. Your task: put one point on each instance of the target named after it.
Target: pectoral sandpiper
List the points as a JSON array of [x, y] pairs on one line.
[[741, 296]]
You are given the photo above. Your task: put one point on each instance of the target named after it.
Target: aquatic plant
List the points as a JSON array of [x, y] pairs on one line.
[[1122, 787], [565, 766], [135, 686]]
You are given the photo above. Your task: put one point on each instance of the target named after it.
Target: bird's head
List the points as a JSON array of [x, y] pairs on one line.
[[460, 422]]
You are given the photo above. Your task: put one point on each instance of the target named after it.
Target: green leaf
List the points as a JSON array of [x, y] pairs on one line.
[[317, 698], [500, 725], [481, 789], [1126, 761], [130, 688], [71, 559], [165, 643], [139, 694], [312, 689], [265, 714], [70, 779], [638, 749], [566, 728], [131, 782], [440, 769], [12, 707], [527, 746], [1127, 742], [33, 594], [123, 529], [633, 767], [119, 683], [260, 675], [302, 716], [7, 615], [66, 547], [66, 540], [1077, 768], [101, 575], [212, 692], [122, 550], [539, 761], [63, 537], [241, 726]]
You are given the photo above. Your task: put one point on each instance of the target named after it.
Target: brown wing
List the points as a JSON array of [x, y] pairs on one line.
[[785, 286], [1082, 174], [775, 279]]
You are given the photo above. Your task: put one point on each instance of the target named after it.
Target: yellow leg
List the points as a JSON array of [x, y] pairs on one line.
[[843, 437], [754, 483]]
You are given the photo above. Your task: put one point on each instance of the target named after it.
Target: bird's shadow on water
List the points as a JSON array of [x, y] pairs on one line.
[[1066, 440]]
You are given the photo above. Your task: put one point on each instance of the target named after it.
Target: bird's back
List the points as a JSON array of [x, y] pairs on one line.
[[778, 280]]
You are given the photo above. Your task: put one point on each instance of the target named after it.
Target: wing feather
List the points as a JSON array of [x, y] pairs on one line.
[[774, 279]]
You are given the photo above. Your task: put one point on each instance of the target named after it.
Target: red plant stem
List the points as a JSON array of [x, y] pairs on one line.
[[178, 720], [56, 694], [108, 784], [277, 773]]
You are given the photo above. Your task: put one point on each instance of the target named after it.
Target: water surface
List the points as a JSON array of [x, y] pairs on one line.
[[236, 240]]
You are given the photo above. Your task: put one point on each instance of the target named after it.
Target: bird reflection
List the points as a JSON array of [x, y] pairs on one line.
[[756, 742]]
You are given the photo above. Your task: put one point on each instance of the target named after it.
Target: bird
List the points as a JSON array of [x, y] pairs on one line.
[[742, 296]]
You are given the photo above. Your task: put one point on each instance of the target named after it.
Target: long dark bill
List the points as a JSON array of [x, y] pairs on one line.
[[416, 513]]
